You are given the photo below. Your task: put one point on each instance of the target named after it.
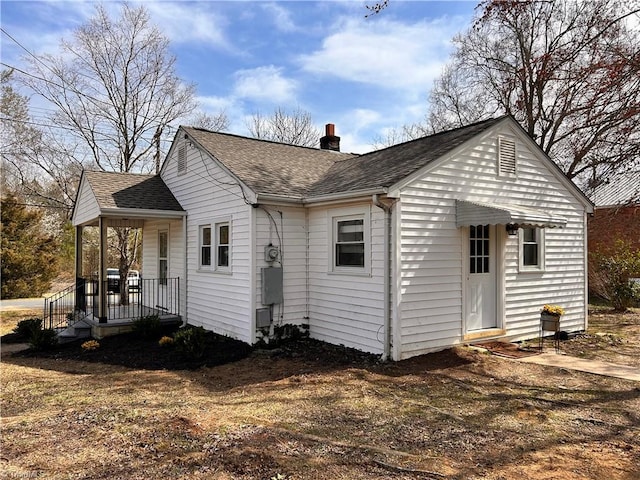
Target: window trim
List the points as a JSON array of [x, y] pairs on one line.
[[163, 280], [214, 226], [202, 245], [218, 244], [347, 214], [540, 241]]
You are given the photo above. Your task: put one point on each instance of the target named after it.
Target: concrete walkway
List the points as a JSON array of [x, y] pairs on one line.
[[583, 365]]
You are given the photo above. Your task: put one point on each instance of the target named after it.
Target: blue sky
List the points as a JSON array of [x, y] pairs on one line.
[[366, 75]]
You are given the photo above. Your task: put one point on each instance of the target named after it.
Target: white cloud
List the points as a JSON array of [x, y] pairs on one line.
[[189, 23], [265, 84], [281, 17], [387, 53]]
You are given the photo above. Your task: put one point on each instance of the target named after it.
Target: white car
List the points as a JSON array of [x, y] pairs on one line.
[[133, 280]]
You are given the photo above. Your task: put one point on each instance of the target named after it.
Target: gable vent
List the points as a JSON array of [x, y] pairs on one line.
[[506, 156], [182, 158]]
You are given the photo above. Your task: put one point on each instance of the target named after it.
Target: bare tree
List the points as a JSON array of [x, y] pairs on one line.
[[215, 123], [115, 88], [296, 128], [402, 134], [569, 72]]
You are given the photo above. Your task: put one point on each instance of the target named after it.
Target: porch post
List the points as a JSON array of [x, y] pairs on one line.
[[102, 276], [80, 281]]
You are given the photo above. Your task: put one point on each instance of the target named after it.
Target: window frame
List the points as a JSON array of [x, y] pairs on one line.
[[202, 245], [214, 245], [163, 275], [539, 242], [219, 244], [334, 218]]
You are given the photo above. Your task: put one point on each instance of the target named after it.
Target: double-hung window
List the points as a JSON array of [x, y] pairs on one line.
[[531, 240], [349, 241], [215, 246], [222, 245]]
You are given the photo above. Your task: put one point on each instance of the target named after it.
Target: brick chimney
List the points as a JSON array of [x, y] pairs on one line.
[[330, 141]]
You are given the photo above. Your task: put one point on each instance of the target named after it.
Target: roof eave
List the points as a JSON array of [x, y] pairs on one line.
[[349, 195], [141, 213]]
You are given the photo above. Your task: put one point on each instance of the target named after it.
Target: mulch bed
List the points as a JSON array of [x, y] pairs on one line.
[[509, 350], [133, 351]]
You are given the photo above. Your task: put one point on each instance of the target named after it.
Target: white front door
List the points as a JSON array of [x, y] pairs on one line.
[[481, 278]]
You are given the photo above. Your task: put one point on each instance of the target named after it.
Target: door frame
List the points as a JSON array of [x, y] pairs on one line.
[[499, 248]]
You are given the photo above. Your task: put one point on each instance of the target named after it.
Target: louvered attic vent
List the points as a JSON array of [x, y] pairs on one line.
[[182, 158], [506, 156]]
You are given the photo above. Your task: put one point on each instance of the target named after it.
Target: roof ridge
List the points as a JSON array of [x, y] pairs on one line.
[[264, 140]]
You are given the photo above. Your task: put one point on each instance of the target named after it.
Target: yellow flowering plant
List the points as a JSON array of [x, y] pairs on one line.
[[555, 310], [90, 345], [166, 341]]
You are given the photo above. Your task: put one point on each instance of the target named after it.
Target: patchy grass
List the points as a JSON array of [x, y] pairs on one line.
[[311, 411], [610, 337], [10, 318]]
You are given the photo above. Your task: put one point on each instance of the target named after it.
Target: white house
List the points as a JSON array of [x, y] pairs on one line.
[[453, 238]]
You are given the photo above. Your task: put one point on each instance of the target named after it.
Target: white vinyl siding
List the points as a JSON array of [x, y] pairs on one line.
[[150, 248], [286, 229], [86, 207], [430, 281], [346, 309], [221, 303]]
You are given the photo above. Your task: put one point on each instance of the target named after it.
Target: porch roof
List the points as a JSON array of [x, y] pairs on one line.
[[478, 213], [123, 195]]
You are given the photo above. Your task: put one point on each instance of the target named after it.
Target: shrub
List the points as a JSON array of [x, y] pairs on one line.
[[25, 328], [147, 327], [166, 341], [191, 342], [43, 339], [90, 345], [610, 275]]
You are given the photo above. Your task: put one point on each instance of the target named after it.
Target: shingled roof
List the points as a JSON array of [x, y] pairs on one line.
[[281, 169], [268, 167], [131, 191], [620, 189], [384, 168]]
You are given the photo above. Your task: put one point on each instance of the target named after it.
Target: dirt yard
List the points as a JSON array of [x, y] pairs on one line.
[[314, 412]]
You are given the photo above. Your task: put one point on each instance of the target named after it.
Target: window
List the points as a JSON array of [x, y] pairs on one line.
[[205, 246], [531, 241], [506, 157], [163, 257], [222, 244], [349, 241], [215, 246], [479, 252]]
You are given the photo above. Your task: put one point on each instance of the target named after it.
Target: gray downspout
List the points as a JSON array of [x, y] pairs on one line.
[[387, 275]]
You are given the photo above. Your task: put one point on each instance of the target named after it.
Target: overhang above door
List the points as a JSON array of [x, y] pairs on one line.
[[478, 213]]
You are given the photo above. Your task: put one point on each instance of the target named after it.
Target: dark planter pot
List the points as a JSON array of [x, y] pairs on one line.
[[550, 323]]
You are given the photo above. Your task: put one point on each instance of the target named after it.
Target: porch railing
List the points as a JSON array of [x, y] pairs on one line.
[[66, 307], [150, 296]]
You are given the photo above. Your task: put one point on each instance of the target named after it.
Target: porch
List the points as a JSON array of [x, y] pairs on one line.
[[73, 312]]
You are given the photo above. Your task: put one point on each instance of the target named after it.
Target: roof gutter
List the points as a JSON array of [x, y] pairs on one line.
[[387, 273], [141, 213], [341, 196]]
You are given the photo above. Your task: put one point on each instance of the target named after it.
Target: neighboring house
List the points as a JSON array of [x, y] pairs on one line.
[[453, 238], [617, 212]]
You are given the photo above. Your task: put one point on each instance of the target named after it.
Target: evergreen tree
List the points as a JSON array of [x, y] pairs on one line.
[[29, 257]]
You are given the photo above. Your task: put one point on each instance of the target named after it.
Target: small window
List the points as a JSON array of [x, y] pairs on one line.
[[205, 246], [350, 243], [506, 157], [163, 257], [531, 248], [182, 158], [222, 244]]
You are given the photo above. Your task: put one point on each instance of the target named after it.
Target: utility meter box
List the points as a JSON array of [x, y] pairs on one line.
[[271, 253], [271, 285]]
